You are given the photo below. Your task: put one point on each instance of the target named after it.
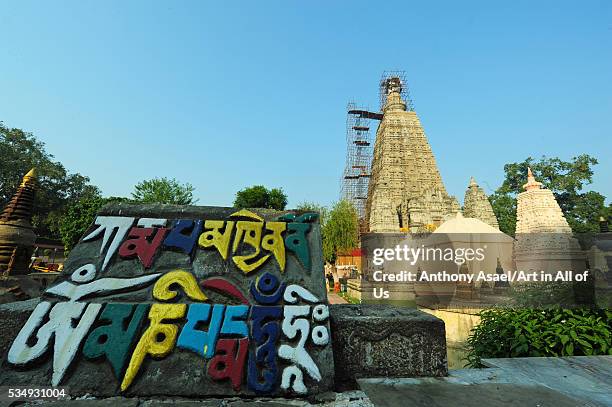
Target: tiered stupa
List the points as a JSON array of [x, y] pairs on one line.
[[406, 192], [477, 205], [16, 232], [544, 240], [537, 211]]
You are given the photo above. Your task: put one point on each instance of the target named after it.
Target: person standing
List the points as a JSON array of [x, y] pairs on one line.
[[330, 281]]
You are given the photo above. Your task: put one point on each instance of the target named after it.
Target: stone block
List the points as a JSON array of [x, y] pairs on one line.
[[164, 300], [384, 341]]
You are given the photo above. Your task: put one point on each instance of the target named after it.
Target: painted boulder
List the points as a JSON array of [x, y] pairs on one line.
[[183, 301]]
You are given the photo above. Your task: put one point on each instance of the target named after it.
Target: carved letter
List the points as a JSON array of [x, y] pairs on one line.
[[158, 340]]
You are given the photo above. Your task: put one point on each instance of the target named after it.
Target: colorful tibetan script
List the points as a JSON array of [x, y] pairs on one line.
[[238, 300]]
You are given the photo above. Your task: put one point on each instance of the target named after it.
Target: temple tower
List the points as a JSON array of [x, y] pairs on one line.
[[477, 205], [544, 240], [16, 232], [406, 192], [537, 210]]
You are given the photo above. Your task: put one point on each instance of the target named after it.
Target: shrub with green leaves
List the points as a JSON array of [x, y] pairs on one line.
[[507, 333]]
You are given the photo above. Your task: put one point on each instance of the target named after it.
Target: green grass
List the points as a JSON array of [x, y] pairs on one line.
[[348, 298]]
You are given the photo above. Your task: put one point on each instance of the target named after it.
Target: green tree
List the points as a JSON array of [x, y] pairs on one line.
[[79, 216], [57, 188], [566, 180], [277, 199], [164, 190], [259, 196], [341, 230]]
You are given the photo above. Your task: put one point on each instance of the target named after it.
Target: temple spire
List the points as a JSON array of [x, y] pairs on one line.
[[29, 178], [405, 191], [17, 236], [477, 205], [531, 181], [394, 102], [20, 206]]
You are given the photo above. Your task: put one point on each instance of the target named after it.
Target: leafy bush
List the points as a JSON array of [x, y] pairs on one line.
[[79, 216], [504, 333]]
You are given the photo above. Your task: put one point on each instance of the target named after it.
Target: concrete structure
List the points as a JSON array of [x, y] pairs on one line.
[[406, 190], [544, 240], [16, 232], [477, 205]]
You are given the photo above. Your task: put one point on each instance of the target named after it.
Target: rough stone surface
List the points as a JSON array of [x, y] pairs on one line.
[[383, 341], [12, 318], [345, 399], [88, 402], [101, 273]]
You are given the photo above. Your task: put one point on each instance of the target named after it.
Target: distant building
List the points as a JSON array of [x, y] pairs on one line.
[[17, 235]]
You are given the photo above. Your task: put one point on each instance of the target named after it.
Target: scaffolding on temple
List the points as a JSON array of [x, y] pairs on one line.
[[394, 81], [356, 176], [359, 151]]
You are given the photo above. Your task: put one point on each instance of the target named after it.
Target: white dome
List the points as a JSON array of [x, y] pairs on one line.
[[459, 224]]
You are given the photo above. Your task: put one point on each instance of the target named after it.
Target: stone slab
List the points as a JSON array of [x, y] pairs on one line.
[[393, 393], [185, 301], [109, 402], [345, 399], [583, 377], [384, 341], [578, 381], [12, 318]]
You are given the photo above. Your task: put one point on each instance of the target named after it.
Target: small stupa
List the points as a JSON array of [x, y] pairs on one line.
[[477, 205], [537, 211], [544, 240], [16, 232]]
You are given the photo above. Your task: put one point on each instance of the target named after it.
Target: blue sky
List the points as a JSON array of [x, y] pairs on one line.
[[229, 94]]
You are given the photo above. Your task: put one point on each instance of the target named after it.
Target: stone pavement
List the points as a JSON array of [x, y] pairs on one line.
[[582, 377], [334, 298], [558, 382]]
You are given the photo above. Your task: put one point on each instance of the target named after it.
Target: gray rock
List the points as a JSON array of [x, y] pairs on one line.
[[13, 316], [384, 341], [182, 403], [109, 402]]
